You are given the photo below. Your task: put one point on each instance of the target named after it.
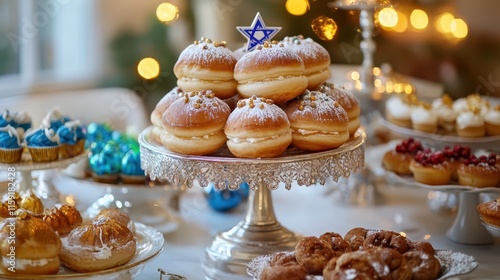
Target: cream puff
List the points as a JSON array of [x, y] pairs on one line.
[[160, 108], [446, 115], [398, 111]]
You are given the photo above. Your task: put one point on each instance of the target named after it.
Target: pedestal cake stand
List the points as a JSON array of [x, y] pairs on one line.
[[260, 232]]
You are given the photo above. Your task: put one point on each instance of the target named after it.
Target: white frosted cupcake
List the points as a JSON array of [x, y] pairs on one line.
[[470, 124], [446, 115], [492, 121], [424, 118], [398, 111]]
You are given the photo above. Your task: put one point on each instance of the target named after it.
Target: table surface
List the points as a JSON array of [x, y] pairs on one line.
[[308, 211]]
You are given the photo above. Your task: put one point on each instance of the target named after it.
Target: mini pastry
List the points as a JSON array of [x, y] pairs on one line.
[[117, 216], [23, 120], [313, 253], [479, 172], [71, 138], [446, 115], [490, 212], [271, 71], [318, 122], [100, 245], [470, 123], [399, 159], [348, 101], [431, 168], [207, 65], [7, 118], [61, 218], [131, 171], [316, 59], [194, 124], [492, 121], [398, 111], [37, 246], [456, 156], [257, 128], [161, 106], [423, 118], [30, 202], [43, 144], [54, 119], [105, 166], [11, 146], [424, 266]]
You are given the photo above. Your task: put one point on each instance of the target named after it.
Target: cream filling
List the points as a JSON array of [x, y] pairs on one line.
[[207, 136], [280, 78], [253, 139], [23, 263], [469, 119], [190, 79], [311, 132], [421, 115]]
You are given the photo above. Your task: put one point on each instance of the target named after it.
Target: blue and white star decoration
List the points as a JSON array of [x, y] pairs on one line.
[[258, 32]]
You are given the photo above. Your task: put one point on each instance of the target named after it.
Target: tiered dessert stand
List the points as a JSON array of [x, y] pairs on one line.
[[260, 232]]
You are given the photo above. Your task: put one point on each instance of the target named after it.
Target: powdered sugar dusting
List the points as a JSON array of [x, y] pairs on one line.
[[206, 54], [321, 106], [261, 111], [452, 264], [275, 54], [347, 99], [306, 48]]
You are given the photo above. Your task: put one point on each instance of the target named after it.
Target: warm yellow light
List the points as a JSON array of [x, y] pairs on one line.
[[297, 7], [459, 28], [389, 87], [388, 17], [324, 27], [402, 23], [398, 87], [377, 83], [148, 68], [355, 75], [408, 89], [443, 22], [427, 237], [167, 12], [419, 19], [376, 71]]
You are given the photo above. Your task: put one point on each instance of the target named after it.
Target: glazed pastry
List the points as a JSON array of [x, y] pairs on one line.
[[348, 101], [492, 121], [316, 59], [398, 110], [490, 212], [11, 146], [29, 201], [424, 266], [313, 253], [399, 159], [37, 246], [318, 122], [431, 168], [423, 118], [356, 237], [207, 65], [470, 123], [386, 239], [363, 264], [43, 144], [479, 172], [271, 71], [161, 106], [257, 128], [337, 242], [101, 245], [117, 216], [62, 218], [194, 124], [71, 138], [284, 266]]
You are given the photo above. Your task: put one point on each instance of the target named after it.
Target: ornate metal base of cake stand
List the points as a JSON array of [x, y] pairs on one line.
[[259, 233]]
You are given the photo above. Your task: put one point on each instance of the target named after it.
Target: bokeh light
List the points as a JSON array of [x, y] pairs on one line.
[[297, 7], [419, 19], [148, 68], [459, 28], [167, 12], [324, 27], [443, 22], [402, 23], [388, 17]]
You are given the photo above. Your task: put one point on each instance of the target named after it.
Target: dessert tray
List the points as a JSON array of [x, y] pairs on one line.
[[467, 227], [452, 264], [149, 244]]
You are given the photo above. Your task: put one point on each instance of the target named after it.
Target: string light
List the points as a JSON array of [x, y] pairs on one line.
[[459, 28], [443, 23], [419, 19], [167, 12], [297, 7], [148, 68], [387, 17]]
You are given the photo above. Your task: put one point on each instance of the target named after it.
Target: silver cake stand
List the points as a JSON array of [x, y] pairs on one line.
[[259, 233], [20, 174]]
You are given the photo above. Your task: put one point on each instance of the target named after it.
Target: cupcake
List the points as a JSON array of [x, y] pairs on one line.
[[398, 112], [11, 149], [7, 119], [492, 121], [23, 120], [131, 171], [72, 139], [470, 123], [54, 119], [424, 118], [105, 165], [43, 144], [446, 115]]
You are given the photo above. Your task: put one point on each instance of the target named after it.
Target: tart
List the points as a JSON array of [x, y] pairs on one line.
[[479, 172], [431, 168], [398, 160], [489, 212]]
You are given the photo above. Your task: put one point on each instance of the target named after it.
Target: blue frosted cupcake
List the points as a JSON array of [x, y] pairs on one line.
[[7, 119], [71, 138], [23, 120], [43, 144], [105, 166], [11, 149], [131, 171], [54, 119]]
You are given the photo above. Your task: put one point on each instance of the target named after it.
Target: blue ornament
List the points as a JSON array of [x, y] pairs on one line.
[[244, 189], [258, 32], [222, 200]]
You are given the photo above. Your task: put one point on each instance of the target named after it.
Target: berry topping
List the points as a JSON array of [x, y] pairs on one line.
[[409, 145], [427, 158], [457, 152], [482, 160]]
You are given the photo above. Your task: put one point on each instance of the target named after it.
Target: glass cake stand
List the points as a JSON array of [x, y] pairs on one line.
[[260, 232], [21, 175]]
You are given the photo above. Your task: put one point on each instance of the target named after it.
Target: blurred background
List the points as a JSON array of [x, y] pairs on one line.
[[54, 45]]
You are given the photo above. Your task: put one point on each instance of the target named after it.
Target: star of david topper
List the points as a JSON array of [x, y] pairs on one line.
[[258, 32]]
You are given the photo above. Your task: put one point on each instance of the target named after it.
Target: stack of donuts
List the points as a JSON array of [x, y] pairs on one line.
[[360, 254], [269, 99]]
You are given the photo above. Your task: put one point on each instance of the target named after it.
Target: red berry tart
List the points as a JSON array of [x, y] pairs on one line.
[[431, 168], [479, 172], [456, 156], [490, 212], [398, 160]]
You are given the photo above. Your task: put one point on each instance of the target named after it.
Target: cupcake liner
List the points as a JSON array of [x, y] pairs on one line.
[[11, 155], [133, 179], [44, 154], [68, 151]]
